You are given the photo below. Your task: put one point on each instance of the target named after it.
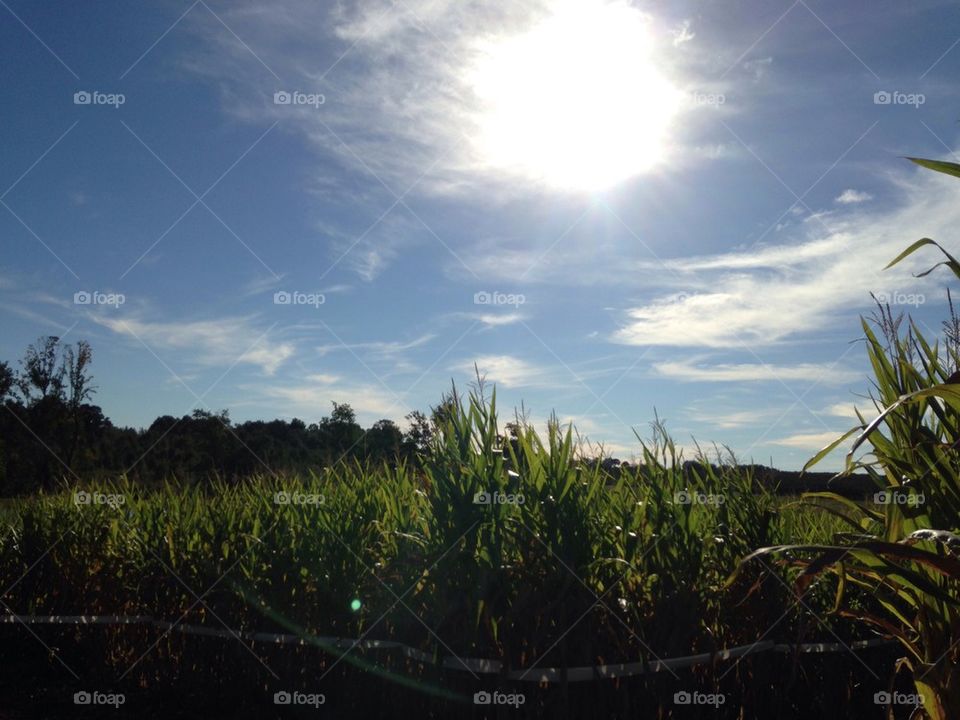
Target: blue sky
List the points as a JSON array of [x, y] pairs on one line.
[[683, 209]]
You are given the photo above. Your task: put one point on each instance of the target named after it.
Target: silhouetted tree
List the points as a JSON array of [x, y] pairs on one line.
[[340, 434], [75, 366], [417, 438], [41, 375], [7, 381], [382, 441]]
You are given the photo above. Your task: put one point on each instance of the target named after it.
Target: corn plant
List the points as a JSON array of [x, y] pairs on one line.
[[591, 566], [902, 552]]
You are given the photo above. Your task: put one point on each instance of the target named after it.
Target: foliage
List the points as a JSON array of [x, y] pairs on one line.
[[50, 431], [591, 567], [903, 550]]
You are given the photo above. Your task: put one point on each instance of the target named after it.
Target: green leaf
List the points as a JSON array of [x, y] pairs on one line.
[[830, 448], [950, 392], [940, 166], [910, 250]]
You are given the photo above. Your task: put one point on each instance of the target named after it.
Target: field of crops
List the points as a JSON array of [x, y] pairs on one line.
[[551, 564]]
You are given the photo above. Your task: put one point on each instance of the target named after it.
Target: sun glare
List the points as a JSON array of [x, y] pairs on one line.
[[576, 102]]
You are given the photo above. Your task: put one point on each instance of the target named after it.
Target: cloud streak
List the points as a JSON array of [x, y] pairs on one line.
[[743, 298], [221, 342], [687, 371]]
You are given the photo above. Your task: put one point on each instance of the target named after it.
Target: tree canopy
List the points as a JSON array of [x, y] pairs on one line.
[[50, 429]]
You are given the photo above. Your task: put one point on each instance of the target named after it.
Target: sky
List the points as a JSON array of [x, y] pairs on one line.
[[613, 210]]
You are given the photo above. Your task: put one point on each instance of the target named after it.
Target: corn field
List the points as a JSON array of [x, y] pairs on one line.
[[515, 552]]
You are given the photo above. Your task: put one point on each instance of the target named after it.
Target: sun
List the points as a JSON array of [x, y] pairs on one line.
[[577, 101]]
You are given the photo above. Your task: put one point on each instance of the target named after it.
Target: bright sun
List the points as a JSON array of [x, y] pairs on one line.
[[576, 102]]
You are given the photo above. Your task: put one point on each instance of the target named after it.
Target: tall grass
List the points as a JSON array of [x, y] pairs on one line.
[[902, 552], [589, 568]]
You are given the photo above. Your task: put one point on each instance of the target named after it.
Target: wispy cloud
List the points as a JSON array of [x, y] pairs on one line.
[[736, 298], [492, 320], [259, 285], [683, 34], [758, 67], [384, 348], [217, 342], [736, 419], [312, 397], [852, 197], [687, 371], [402, 116], [847, 410], [807, 441], [388, 111], [505, 370]]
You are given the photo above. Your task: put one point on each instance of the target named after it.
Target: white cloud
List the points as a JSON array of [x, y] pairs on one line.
[[220, 342], [808, 441], [388, 111], [758, 67], [731, 420], [382, 348], [763, 296], [852, 197], [683, 34], [687, 371], [261, 284], [313, 398], [504, 370], [847, 411], [496, 320]]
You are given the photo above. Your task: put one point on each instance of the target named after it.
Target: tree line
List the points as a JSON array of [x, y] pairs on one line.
[[50, 430]]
